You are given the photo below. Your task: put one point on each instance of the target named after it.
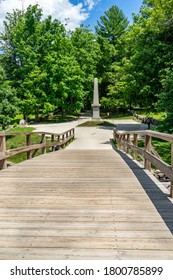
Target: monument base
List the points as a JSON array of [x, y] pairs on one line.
[[96, 112]]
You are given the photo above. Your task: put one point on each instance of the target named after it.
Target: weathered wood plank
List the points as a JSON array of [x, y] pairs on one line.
[[76, 205]]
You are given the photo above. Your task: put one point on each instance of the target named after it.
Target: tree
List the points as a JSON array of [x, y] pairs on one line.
[[109, 29], [8, 101], [137, 78], [20, 54], [65, 77], [43, 54], [112, 24], [165, 102], [87, 53]]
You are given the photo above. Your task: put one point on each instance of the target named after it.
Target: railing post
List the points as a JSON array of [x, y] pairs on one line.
[[120, 141], [123, 140], [3, 164], [53, 140], [128, 141], [28, 143], [43, 141], [147, 164], [135, 143], [171, 187], [63, 137]]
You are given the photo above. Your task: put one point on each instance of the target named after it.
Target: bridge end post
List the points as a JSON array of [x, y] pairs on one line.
[[3, 164], [28, 143]]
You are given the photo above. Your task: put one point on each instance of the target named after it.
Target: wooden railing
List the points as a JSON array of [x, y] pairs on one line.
[[128, 141], [48, 140]]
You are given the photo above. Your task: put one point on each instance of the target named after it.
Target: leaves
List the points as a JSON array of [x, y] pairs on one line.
[[8, 101]]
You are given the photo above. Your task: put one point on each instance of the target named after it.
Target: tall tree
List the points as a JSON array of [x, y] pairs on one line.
[[147, 52], [87, 53], [112, 24], [110, 29]]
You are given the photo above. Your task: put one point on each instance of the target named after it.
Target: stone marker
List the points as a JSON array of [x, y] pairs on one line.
[[96, 105], [22, 123]]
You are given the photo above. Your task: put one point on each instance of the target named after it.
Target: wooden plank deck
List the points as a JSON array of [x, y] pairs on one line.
[[78, 204]]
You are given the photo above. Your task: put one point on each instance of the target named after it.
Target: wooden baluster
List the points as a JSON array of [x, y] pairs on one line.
[[123, 142], [3, 164], [53, 140], [63, 137], [147, 164], [128, 141], [135, 143], [120, 141], [43, 141], [28, 143]]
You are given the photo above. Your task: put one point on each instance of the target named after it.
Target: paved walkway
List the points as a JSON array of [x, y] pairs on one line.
[[90, 137]]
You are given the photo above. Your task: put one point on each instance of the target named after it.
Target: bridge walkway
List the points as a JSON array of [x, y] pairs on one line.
[[82, 204]]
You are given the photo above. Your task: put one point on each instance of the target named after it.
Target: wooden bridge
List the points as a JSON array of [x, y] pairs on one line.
[[80, 204]]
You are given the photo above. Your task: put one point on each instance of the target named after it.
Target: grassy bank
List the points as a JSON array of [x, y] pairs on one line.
[[162, 147], [20, 141], [96, 123]]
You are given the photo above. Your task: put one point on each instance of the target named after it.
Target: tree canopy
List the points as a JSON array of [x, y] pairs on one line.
[[45, 67], [112, 24]]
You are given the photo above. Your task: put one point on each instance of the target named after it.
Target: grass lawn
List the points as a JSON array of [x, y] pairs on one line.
[[162, 147], [96, 123], [117, 116], [160, 116], [20, 141]]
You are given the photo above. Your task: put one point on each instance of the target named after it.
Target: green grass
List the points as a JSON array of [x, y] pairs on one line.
[[96, 123], [20, 141], [117, 116], [160, 116], [162, 147], [58, 118]]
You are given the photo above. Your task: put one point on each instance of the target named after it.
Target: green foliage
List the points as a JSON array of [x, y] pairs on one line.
[[20, 141], [162, 147], [110, 28], [112, 24], [49, 68], [87, 53], [8, 101]]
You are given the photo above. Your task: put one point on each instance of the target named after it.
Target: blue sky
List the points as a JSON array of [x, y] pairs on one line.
[[127, 6], [72, 12]]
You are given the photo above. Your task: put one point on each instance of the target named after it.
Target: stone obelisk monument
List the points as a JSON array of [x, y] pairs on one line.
[[96, 105]]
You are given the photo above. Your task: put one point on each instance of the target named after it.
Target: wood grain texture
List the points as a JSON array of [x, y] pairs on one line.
[[81, 204]]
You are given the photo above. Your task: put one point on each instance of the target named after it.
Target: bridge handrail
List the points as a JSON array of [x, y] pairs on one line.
[[57, 140], [128, 141]]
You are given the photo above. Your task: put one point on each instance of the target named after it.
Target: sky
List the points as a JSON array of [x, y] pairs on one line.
[[72, 12]]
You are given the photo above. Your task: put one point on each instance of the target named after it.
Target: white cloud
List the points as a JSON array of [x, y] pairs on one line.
[[63, 10], [90, 4]]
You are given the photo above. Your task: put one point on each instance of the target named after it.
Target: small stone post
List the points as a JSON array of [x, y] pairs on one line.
[[96, 105]]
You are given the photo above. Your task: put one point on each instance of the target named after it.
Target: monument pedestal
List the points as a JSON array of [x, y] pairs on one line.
[[96, 112], [96, 105]]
